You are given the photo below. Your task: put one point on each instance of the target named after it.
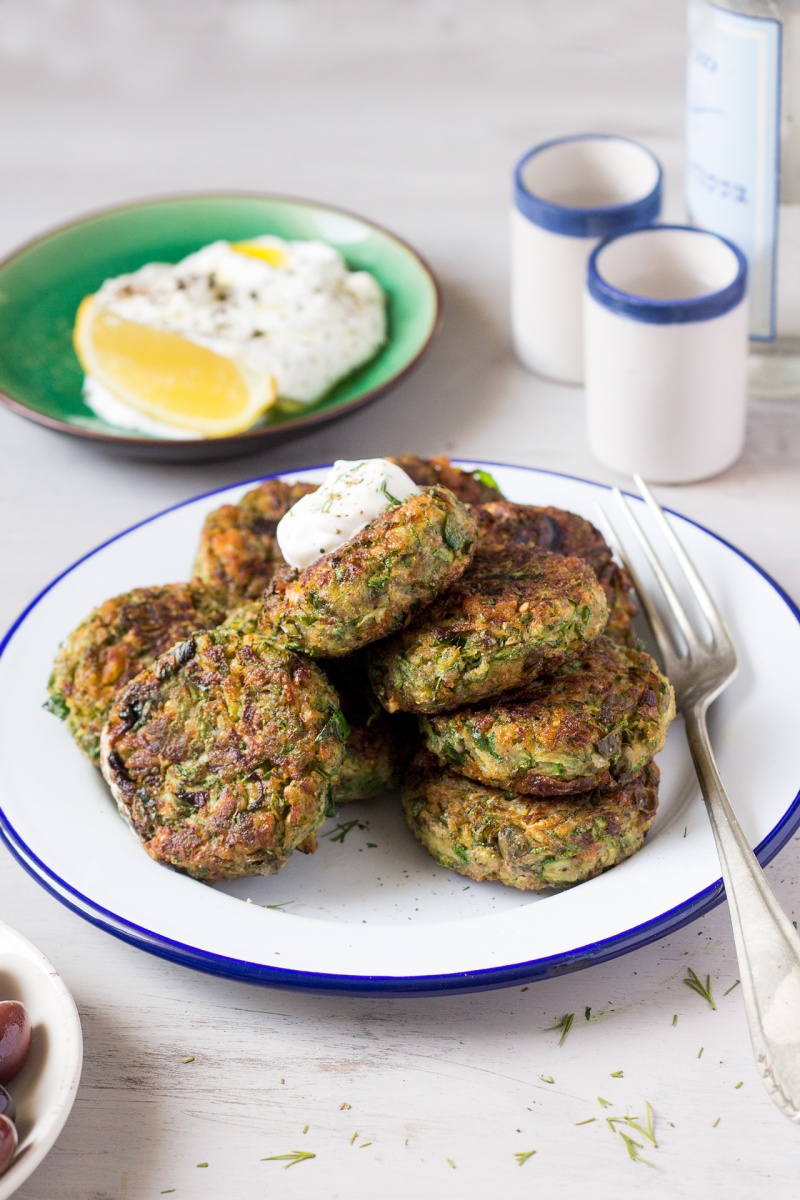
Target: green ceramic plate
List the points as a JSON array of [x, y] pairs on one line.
[[42, 284]]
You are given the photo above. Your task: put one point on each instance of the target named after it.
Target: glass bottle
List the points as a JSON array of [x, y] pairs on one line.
[[743, 164]]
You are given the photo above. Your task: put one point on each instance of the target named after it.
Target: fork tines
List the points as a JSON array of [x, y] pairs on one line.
[[689, 656]]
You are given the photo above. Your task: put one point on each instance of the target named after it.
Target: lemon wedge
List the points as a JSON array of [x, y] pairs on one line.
[[274, 255], [167, 377]]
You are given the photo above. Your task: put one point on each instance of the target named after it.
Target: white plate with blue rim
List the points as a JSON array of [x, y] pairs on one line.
[[371, 912], [44, 1091]]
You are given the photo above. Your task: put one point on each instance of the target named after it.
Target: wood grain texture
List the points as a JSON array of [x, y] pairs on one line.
[[412, 113]]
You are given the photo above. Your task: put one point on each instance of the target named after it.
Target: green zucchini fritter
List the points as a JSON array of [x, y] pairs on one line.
[[375, 583], [474, 487], [503, 526], [377, 745], [238, 550], [115, 642], [510, 617], [222, 755], [486, 833], [595, 721], [245, 618]]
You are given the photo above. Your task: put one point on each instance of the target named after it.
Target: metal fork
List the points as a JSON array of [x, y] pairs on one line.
[[767, 945]]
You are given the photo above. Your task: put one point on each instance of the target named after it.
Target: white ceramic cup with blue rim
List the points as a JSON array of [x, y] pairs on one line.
[[570, 194], [665, 328]]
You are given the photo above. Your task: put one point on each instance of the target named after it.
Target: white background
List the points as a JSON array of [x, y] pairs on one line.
[[411, 112]]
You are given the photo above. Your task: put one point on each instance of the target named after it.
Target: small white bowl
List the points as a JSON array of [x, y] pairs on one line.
[[45, 1088]]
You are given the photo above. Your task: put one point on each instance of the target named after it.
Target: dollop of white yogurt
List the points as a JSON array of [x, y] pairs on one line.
[[305, 319], [352, 495], [113, 411]]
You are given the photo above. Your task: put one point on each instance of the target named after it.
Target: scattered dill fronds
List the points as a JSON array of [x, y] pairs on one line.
[[739, 1084], [735, 984], [674, 1020], [340, 831], [685, 830], [547, 1079], [714, 1124], [202, 1164], [295, 1157], [363, 1144], [617, 1075], [588, 1121], [372, 845], [587, 1012], [694, 981], [648, 1131], [188, 1060], [353, 1138], [282, 904], [631, 1145], [450, 1163], [393, 501], [700, 1052], [605, 1103], [565, 1024], [305, 1129], [633, 1149], [523, 1155]]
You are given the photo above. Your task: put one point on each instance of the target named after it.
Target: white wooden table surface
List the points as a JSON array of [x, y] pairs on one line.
[[411, 112]]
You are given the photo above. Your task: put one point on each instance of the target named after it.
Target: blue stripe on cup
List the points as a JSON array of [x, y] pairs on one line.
[[677, 311], [581, 221]]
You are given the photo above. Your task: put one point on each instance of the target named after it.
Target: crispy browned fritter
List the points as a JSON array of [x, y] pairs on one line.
[[377, 745], [503, 526], [115, 642], [471, 487], [375, 583], [488, 834], [238, 550], [511, 616], [594, 722], [222, 755]]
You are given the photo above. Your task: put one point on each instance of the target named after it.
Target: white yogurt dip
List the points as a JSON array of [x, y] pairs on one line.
[[353, 494], [114, 411], [288, 310]]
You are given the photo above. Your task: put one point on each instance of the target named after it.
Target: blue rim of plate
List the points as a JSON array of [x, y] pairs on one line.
[[484, 979]]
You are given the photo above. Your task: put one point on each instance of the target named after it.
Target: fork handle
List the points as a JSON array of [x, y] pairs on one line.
[[767, 944]]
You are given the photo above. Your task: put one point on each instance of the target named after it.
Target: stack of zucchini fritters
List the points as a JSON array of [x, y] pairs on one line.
[[229, 715]]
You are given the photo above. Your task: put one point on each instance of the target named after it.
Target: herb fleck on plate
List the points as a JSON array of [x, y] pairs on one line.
[[565, 1024], [294, 1157], [694, 981]]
